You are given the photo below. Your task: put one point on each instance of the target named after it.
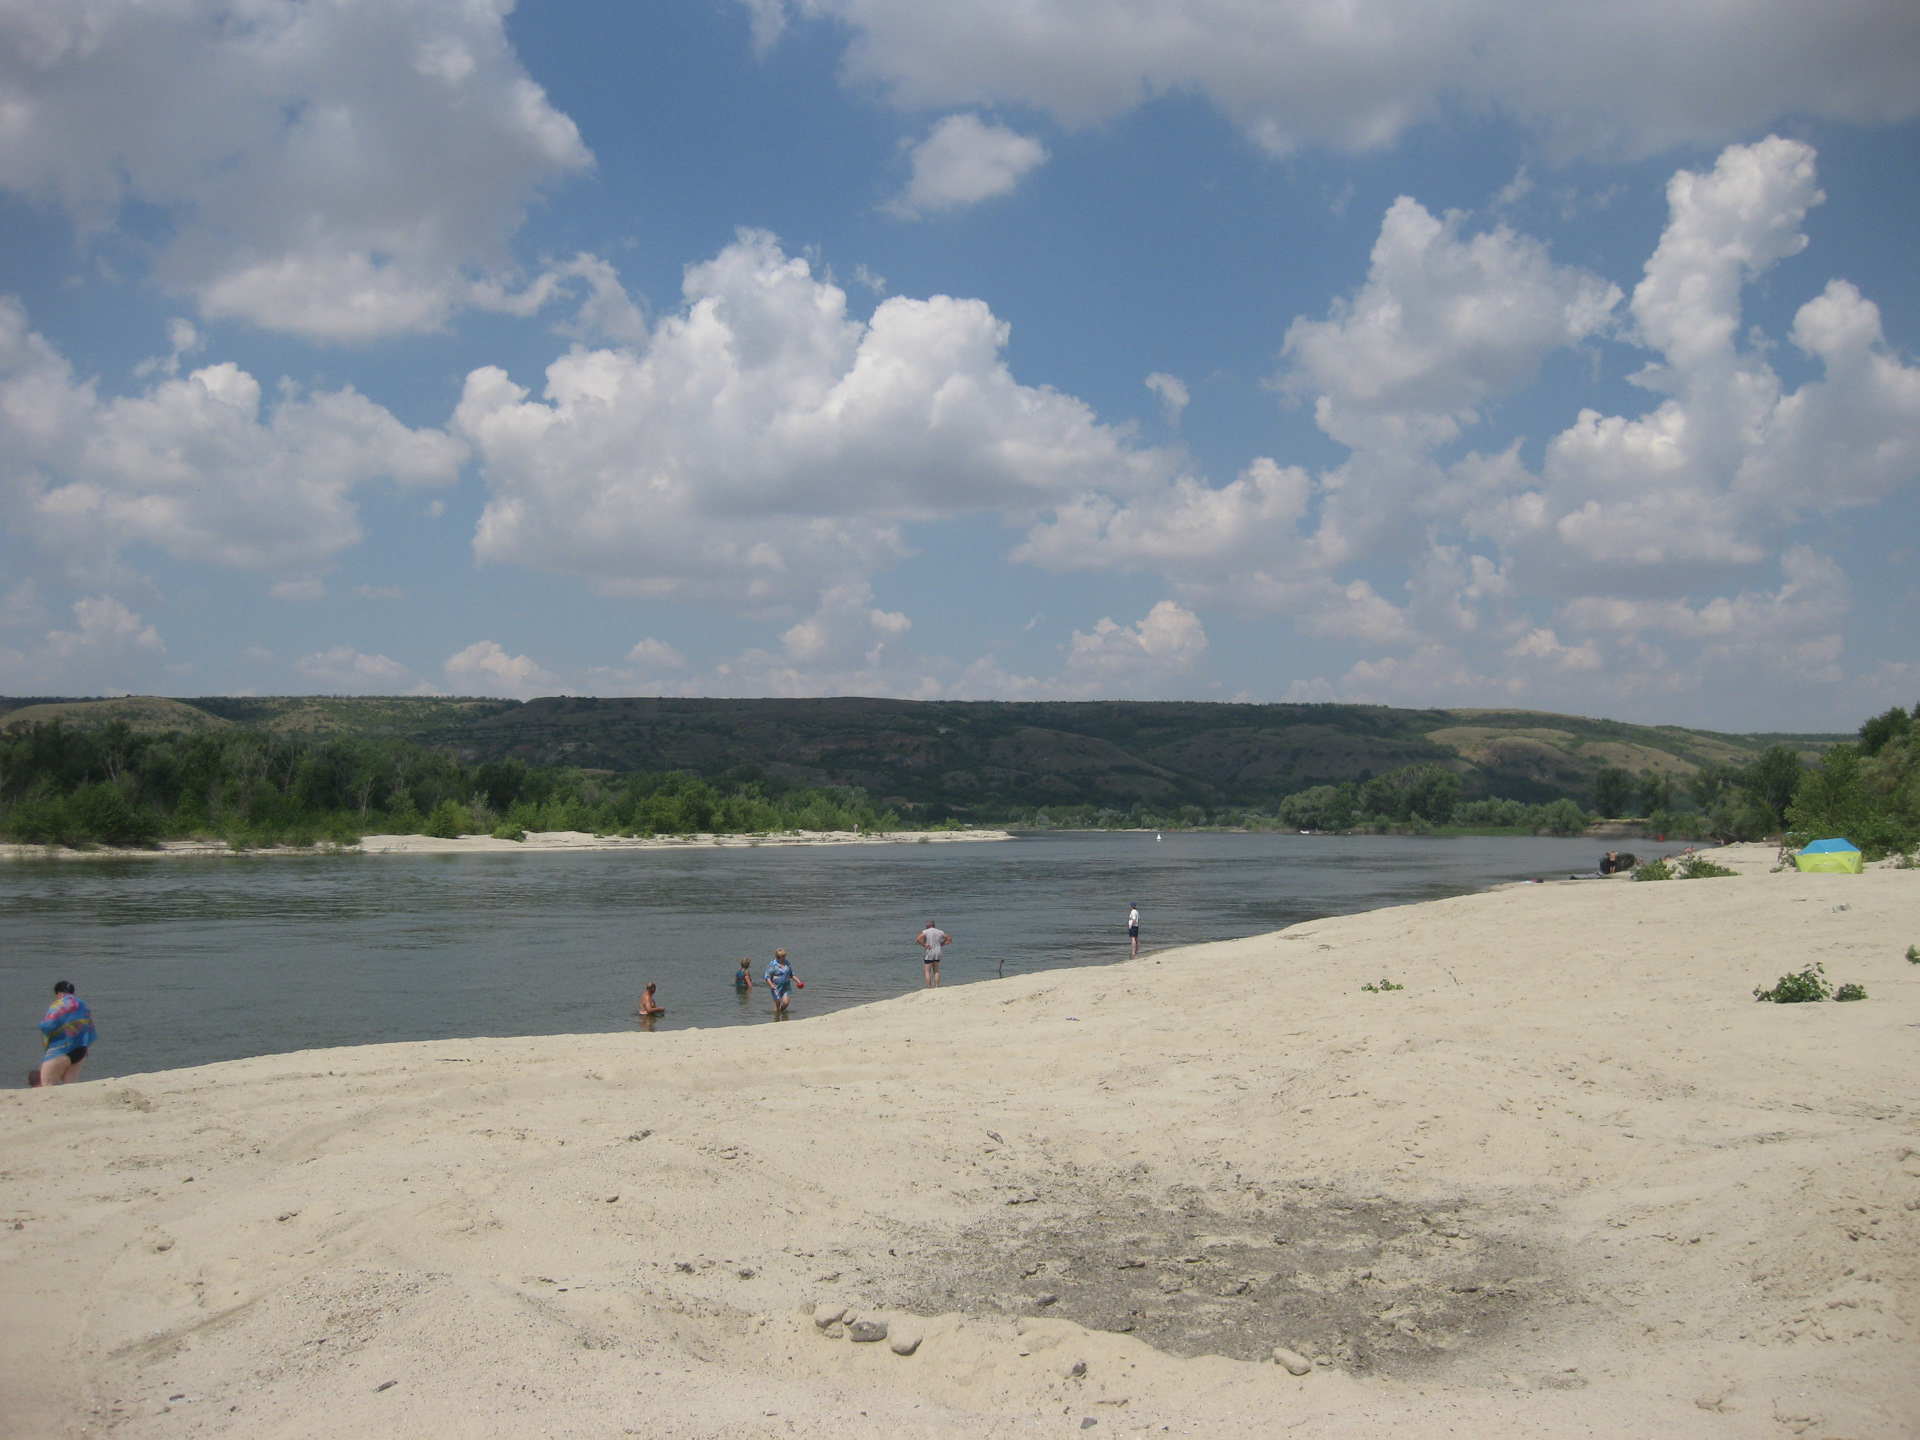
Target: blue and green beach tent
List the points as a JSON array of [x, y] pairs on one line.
[[1835, 857]]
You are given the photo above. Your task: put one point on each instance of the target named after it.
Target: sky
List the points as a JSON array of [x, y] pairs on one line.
[[1522, 353]]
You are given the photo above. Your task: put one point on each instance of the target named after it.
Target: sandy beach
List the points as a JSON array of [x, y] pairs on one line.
[[536, 842], [1572, 1180]]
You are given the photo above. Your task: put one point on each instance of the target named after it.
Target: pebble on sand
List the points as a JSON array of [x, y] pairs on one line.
[[865, 1332], [1296, 1363], [904, 1342], [826, 1312]]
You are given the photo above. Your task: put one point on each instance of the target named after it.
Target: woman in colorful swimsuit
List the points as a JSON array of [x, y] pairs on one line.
[[781, 981], [68, 1028]]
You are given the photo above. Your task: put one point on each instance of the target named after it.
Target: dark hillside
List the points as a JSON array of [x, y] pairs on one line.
[[987, 760], [974, 757]]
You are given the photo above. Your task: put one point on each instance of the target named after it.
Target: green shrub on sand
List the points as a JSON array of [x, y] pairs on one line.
[[1694, 867], [507, 830], [1798, 989], [1382, 988], [449, 821], [1698, 867], [1850, 991]]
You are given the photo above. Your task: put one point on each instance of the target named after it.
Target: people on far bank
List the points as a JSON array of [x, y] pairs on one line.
[[933, 940], [781, 981], [68, 1029], [1133, 930]]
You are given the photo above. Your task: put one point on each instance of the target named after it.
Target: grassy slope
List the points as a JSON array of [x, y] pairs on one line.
[[401, 715], [142, 712]]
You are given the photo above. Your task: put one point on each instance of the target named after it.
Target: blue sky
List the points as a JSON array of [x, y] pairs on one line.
[[1549, 355]]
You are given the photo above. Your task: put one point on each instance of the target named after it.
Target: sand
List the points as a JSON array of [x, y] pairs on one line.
[[1571, 1181], [537, 842]]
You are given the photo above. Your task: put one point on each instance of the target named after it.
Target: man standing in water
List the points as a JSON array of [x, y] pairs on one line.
[[68, 1027], [1133, 930], [933, 940]]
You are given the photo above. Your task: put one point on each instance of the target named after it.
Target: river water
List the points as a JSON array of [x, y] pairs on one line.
[[195, 960]]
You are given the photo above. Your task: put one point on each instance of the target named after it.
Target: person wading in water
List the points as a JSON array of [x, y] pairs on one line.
[[68, 1028], [933, 940]]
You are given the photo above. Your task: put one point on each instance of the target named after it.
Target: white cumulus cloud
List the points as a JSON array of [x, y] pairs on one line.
[[111, 649], [1161, 655], [485, 668], [1714, 472], [963, 161], [347, 671], [763, 447], [1585, 78], [651, 654], [1635, 561], [1445, 324], [1173, 394], [334, 168], [200, 466]]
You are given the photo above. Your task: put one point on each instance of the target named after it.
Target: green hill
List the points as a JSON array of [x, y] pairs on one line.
[[985, 759], [140, 712]]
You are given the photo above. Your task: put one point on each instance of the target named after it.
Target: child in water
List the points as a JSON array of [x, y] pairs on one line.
[[743, 977]]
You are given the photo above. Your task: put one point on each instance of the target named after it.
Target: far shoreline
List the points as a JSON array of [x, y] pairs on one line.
[[538, 842], [546, 842]]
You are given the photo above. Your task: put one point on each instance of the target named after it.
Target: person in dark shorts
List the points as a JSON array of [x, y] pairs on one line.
[[68, 1028], [1133, 929], [933, 940]]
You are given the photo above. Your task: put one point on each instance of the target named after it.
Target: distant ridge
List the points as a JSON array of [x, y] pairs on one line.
[[141, 712], [982, 757]]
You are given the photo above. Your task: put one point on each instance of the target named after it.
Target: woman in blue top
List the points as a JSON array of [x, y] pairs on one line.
[[780, 980], [68, 1027]]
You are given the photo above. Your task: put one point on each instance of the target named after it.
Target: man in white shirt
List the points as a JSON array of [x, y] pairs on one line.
[[1133, 929], [932, 940]]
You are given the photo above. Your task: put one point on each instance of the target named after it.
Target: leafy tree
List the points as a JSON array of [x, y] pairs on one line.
[[1429, 791], [1322, 807], [1563, 817], [1839, 800], [120, 786], [1707, 784], [1891, 724], [1772, 779], [1656, 792], [1612, 791], [449, 821]]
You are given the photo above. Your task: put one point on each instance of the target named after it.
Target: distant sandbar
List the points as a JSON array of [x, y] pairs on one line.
[[536, 842]]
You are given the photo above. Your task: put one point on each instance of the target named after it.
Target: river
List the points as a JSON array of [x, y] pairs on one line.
[[186, 961]]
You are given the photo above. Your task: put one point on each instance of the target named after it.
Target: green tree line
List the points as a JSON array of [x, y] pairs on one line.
[[1418, 799], [119, 786], [1867, 791]]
